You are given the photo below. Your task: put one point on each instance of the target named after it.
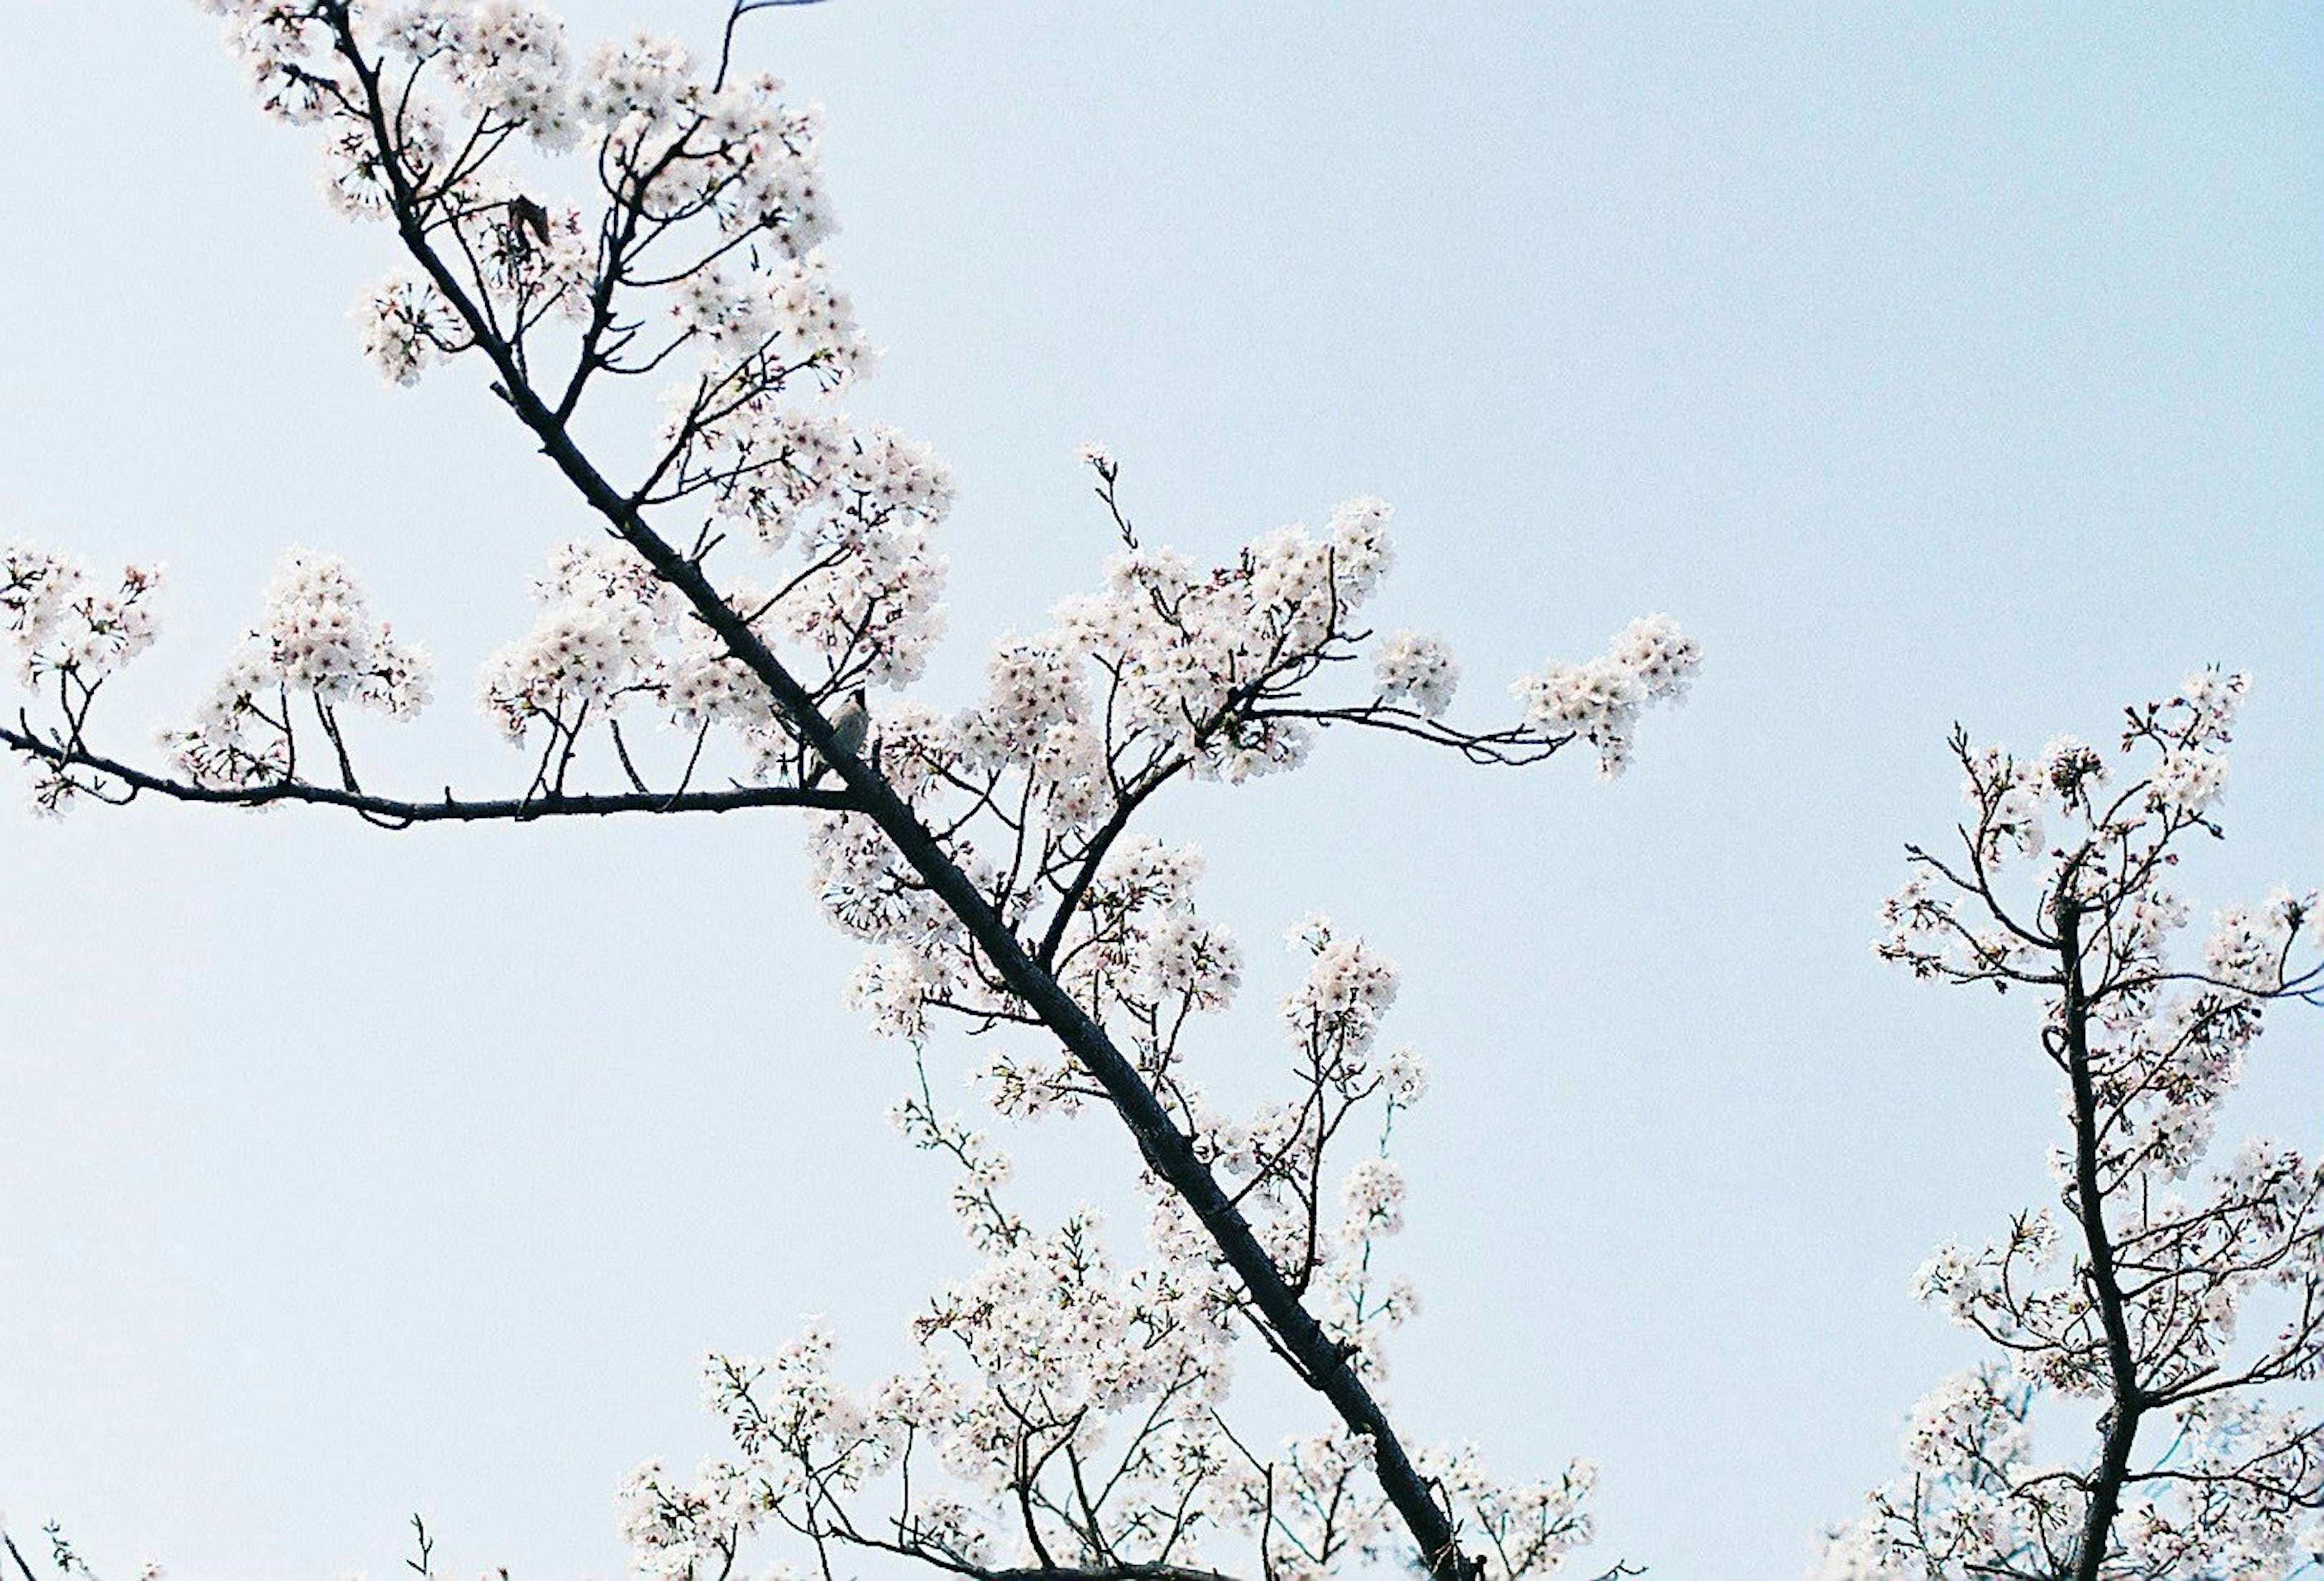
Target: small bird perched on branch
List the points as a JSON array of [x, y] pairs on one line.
[[527, 215], [851, 727]]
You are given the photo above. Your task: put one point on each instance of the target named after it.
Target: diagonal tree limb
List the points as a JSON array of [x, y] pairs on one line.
[[1168, 1151], [1322, 1361]]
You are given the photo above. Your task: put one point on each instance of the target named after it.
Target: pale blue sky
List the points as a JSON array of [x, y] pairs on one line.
[[1959, 362]]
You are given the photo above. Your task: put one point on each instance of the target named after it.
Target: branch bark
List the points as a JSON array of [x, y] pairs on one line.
[[2130, 1401], [1167, 1150], [394, 811]]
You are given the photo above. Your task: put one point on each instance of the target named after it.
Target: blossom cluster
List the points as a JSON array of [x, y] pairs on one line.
[[64, 623], [1415, 668], [406, 328], [1649, 661], [1190, 655], [71, 632], [603, 616], [709, 190], [316, 646]]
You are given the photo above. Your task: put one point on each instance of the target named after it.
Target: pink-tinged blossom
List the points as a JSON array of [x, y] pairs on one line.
[[316, 645], [64, 623]]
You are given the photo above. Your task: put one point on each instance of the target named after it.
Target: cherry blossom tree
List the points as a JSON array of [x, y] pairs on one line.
[[745, 634], [571, 225], [2167, 1291]]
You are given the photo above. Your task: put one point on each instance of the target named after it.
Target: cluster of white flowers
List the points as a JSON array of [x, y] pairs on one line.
[[406, 326], [860, 506], [1349, 989], [63, 622], [1648, 661], [2189, 780], [1526, 1529], [2147, 1268], [317, 642], [611, 634], [782, 470], [1189, 657], [70, 633], [1021, 1369], [1373, 1195], [1415, 668], [1990, 1287], [2011, 795], [678, 1530], [792, 312], [510, 61], [460, 84], [507, 59], [1953, 1513], [747, 158], [286, 49], [871, 604]]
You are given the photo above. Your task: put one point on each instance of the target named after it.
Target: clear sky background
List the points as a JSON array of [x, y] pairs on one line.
[[1927, 363]]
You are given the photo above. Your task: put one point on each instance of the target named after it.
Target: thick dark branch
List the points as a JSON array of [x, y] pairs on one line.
[[2130, 1398], [1105, 1573], [1101, 843], [1322, 1361], [449, 810]]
